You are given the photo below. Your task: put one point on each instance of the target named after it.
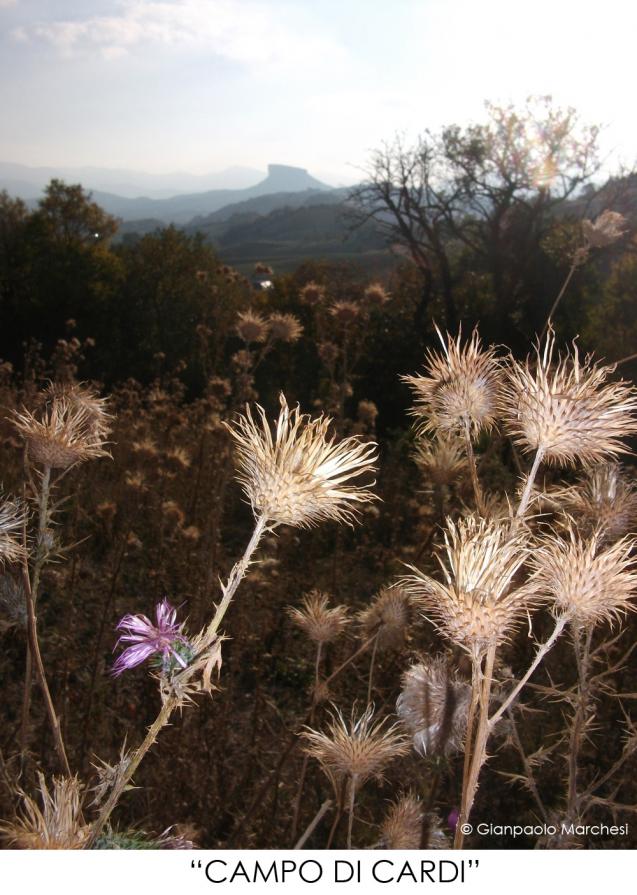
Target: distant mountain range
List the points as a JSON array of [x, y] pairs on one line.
[[281, 218], [175, 209]]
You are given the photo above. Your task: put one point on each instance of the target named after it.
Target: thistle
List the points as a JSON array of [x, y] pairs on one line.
[[376, 295], [478, 604], [13, 517], [359, 749], [565, 410], [586, 582], [408, 826], [388, 617], [433, 705], [606, 229], [458, 393], [57, 824], [300, 476], [602, 499], [441, 459], [70, 426], [317, 619], [252, 327], [163, 639], [312, 294], [285, 327], [345, 312]]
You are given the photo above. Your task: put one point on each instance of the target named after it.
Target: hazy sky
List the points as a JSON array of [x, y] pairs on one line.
[[199, 85]]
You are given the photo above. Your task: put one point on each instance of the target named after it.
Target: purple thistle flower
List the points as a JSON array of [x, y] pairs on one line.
[[452, 819], [163, 639]]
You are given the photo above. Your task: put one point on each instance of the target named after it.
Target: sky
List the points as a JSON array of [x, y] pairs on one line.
[[201, 85]]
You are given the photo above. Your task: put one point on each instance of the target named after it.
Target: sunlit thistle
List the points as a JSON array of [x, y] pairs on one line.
[[606, 229], [376, 295], [252, 327], [478, 605], [312, 294], [321, 622], [163, 640], [300, 475], [345, 312], [586, 582], [459, 390], [408, 826], [564, 408], [433, 705], [69, 426], [285, 327]]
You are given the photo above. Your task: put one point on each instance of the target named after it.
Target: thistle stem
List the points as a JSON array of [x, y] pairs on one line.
[[528, 485], [477, 489], [542, 650], [352, 802], [371, 668], [318, 817], [236, 575], [560, 295]]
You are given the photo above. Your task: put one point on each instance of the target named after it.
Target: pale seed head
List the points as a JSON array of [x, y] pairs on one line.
[[459, 389], [345, 312], [478, 604], [433, 705], [440, 459], [566, 409], [252, 327], [13, 516], [312, 294], [317, 619], [376, 295], [409, 826], [300, 475], [388, 618], [585, 581], [70, 425], [604, 500], [55, 825], [606, 229], [360, 749], [285, 327]]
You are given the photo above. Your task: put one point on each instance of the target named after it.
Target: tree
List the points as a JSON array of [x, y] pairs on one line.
[[477, 201]]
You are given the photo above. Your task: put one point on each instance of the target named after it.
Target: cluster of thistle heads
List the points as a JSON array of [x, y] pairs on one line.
[[567, 548]]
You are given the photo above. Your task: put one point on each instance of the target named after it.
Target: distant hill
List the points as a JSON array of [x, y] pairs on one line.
[[28, 182], [183, 208]]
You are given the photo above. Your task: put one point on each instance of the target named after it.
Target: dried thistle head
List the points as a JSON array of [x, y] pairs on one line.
[[602, 499], [460, 388], [317, 619], [70, 425], [388, 618], [360, 749], [285, 327], [606, 229], [586, 582], [440, 459], [376, 295], [252, 327], [565, 409], [408, 826], [345, 312], [13, 516], [433, 705], [55, 825], [300, 476], [312, 294], [13, 612], [478, 604]]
